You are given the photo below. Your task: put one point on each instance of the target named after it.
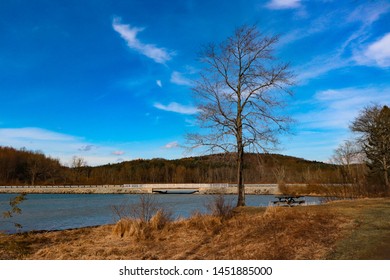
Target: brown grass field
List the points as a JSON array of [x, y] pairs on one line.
[[356, 229]]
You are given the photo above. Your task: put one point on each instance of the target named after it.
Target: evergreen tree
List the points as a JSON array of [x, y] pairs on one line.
[[374, 125]]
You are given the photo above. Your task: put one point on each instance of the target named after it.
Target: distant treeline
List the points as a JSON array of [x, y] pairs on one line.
[[22, 167]]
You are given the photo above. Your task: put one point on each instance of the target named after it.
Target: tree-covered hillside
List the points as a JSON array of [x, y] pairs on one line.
[[28, 168]]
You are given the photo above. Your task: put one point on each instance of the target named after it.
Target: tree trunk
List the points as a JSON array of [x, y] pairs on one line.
[[384, 167], [386, 175], [240, 181], [240, 152]]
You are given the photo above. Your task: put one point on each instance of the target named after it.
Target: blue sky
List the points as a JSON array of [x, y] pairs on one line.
[[111, 80]]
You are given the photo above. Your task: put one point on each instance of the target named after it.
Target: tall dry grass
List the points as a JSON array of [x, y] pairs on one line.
[[141, 229], [276, 233], [221, 206]]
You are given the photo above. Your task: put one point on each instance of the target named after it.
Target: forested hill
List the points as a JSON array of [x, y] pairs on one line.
[[27, 167]]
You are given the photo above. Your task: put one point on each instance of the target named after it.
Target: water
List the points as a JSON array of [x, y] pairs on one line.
[[64, 211]]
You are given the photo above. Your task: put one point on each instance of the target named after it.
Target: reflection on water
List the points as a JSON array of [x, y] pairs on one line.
[[63, 211]]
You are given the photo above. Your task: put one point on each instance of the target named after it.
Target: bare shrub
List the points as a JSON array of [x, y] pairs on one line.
[[146, 208], [14, 204], [135, 229], [160, 219], [220, 206], [123, 227], [121, 211], [141, 220], [283, 188]]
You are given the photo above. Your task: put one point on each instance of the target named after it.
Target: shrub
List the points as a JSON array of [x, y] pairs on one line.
[[140, 221], [220, 206]]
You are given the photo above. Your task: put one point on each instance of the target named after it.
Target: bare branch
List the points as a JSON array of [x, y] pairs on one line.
[[238, 95]]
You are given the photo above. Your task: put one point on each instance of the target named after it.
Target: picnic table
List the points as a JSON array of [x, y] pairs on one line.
[[289, 200]]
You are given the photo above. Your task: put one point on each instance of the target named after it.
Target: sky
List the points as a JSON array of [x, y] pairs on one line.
[[111, 81]]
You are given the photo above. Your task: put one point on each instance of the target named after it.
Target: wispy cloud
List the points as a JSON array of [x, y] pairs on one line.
[[349, 52], [129, 34], [336, 108], [118, 153], [325, 122], [172, 145], [177, 108], [376, 53], [57, 145], [283, 4], [159, 83], [369, 12], [317, 25], [87, 148], [33, 134], [319, 66], [52, 143], [178, 79]]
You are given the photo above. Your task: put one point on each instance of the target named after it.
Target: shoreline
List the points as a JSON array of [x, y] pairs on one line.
[[212, 237]]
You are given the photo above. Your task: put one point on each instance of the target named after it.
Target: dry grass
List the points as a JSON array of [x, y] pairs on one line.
[[276, 233], [369, 236], [279, 233], [139, 229]]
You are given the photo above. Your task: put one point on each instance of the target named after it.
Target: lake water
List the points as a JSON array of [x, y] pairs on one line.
[[64, 211]]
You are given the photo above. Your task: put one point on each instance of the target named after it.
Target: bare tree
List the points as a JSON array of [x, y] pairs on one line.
[[345, 155], [349, 157], [240, 94], [78, 162]]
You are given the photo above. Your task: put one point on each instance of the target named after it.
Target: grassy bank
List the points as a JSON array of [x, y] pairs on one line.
[[357, 229], [368, 237]]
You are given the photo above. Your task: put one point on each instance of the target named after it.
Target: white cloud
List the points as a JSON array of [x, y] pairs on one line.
[[377, 53], [87, 148], [190, 122], [159, 83], [179, 79], [56, 145], [283, 4], [313, 145], [32, 134], [349, 51], [336, 108], [323, 122], [65, 147], [118, 153], [177, 108], [51, 143], [129, 34], [319, 66], [172, 145], [368, 13]]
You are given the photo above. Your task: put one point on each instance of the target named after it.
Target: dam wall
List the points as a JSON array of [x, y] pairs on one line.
[[213, 188]]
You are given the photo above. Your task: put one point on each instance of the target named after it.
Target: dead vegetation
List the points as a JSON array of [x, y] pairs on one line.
[[350, 229], [271, 233]]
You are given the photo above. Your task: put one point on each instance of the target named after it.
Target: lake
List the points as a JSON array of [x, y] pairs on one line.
[[64, 211]]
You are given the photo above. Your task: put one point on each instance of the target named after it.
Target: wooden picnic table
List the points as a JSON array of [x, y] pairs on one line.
[[289, 200]]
